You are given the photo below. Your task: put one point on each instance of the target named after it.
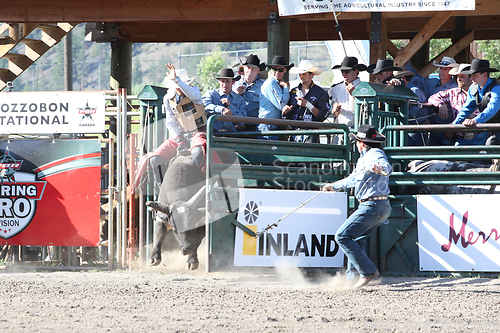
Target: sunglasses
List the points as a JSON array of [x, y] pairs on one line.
[[444, 63], [345, 71], [281, 69]]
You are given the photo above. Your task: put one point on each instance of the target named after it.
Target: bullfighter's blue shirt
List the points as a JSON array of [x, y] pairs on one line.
[[272, 99], [367, 183]]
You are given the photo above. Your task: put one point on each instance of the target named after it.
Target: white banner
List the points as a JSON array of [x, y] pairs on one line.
[[52, 112], [459, 233], [305, 238], [300, 7]]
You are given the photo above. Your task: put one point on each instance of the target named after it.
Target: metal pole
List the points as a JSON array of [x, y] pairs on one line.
[[124, 173], [68, 62], [111, 201], [179, 58], [119, 185]]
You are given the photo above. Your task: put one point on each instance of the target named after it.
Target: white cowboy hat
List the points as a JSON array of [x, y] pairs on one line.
[[306, 66], [446, 62], [182, 74], [459, 69]]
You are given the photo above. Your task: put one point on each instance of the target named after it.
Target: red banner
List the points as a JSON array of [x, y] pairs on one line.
[[50, 192]]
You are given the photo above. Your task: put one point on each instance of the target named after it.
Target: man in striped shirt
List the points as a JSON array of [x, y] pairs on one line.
[[449, 102]]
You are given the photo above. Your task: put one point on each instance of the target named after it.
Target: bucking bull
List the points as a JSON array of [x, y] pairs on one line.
[[181, 206]]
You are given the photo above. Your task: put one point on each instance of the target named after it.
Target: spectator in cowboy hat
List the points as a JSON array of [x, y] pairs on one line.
[[341, 93], [431, 86], [450, 102], [370, 180], [308, 101], [275, 93], [224, 101], [416, 114], [383, 70], [249, 86], [483, 94]]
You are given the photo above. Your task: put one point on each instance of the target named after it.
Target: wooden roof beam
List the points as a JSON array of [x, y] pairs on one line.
[[422, 37]]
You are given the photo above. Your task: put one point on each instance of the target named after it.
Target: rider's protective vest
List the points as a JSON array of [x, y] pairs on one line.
[[483, 103], [189, 115]]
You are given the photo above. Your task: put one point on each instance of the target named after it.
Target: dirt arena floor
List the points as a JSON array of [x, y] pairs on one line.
[[169, 299]]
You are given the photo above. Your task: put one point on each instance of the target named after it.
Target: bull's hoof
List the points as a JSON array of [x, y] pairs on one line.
[[192, 263], [155, 260]]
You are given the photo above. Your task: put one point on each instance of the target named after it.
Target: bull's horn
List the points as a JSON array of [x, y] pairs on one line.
[[159, 207], [193, 202]]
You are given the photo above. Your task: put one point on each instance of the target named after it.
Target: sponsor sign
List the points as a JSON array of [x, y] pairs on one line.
[[459, 232], [305, 238], [50, 192], [52, 112], [300, 7]]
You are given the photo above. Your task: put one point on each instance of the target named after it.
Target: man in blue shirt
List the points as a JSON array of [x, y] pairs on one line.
[[224, 101], [275, 93], [308, 102], [484, 95], [370, 180], [249, 87]]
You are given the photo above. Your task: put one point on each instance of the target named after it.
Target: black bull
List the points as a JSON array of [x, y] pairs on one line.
[[181, 205]]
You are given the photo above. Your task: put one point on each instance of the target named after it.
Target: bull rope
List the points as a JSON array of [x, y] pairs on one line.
[[275, 224]]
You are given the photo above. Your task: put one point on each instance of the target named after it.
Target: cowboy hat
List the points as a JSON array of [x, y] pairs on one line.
[[350, 63], [383, 65], [182, 74], [367, 133], [446, 62], [227, 73], [480, 66], [400, 74], [252, 60], [280, 61], [460, 69], [306, 66]]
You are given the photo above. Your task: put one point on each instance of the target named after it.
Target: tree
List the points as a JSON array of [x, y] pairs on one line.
[[491, 51], [209, 66]]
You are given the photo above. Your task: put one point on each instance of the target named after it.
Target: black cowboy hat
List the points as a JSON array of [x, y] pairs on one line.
[[252, 60], [367, 133], [350, 63], [227, 73], [280, 61], [480, 66], [383, 65]]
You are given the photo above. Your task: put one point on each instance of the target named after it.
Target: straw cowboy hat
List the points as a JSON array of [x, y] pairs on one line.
[[400, 74], [367, 133], [182, 74], [306, 66], [350, 63], [227, 73], [460, 69], [479, 66], [383, 65], [280, 61], [446, 62]]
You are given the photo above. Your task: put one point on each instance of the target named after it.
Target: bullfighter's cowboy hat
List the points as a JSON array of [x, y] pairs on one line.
[[460, 69], [306, 66], [227, 73], [182, 74], [350, 63], [280, 61], [446, 62], [480, 66], [367, 133], [383, 65]]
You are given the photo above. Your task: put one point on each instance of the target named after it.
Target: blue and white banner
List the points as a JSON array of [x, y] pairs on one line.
[[459, 233], [300, 7], [304, 238]]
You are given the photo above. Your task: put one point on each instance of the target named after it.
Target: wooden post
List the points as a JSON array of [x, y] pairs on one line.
[[463, 56], [278, 39], [378, 38]]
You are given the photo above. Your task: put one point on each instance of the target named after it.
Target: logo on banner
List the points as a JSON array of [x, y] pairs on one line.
[[18, 195], [251, 212], [87, 112]]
